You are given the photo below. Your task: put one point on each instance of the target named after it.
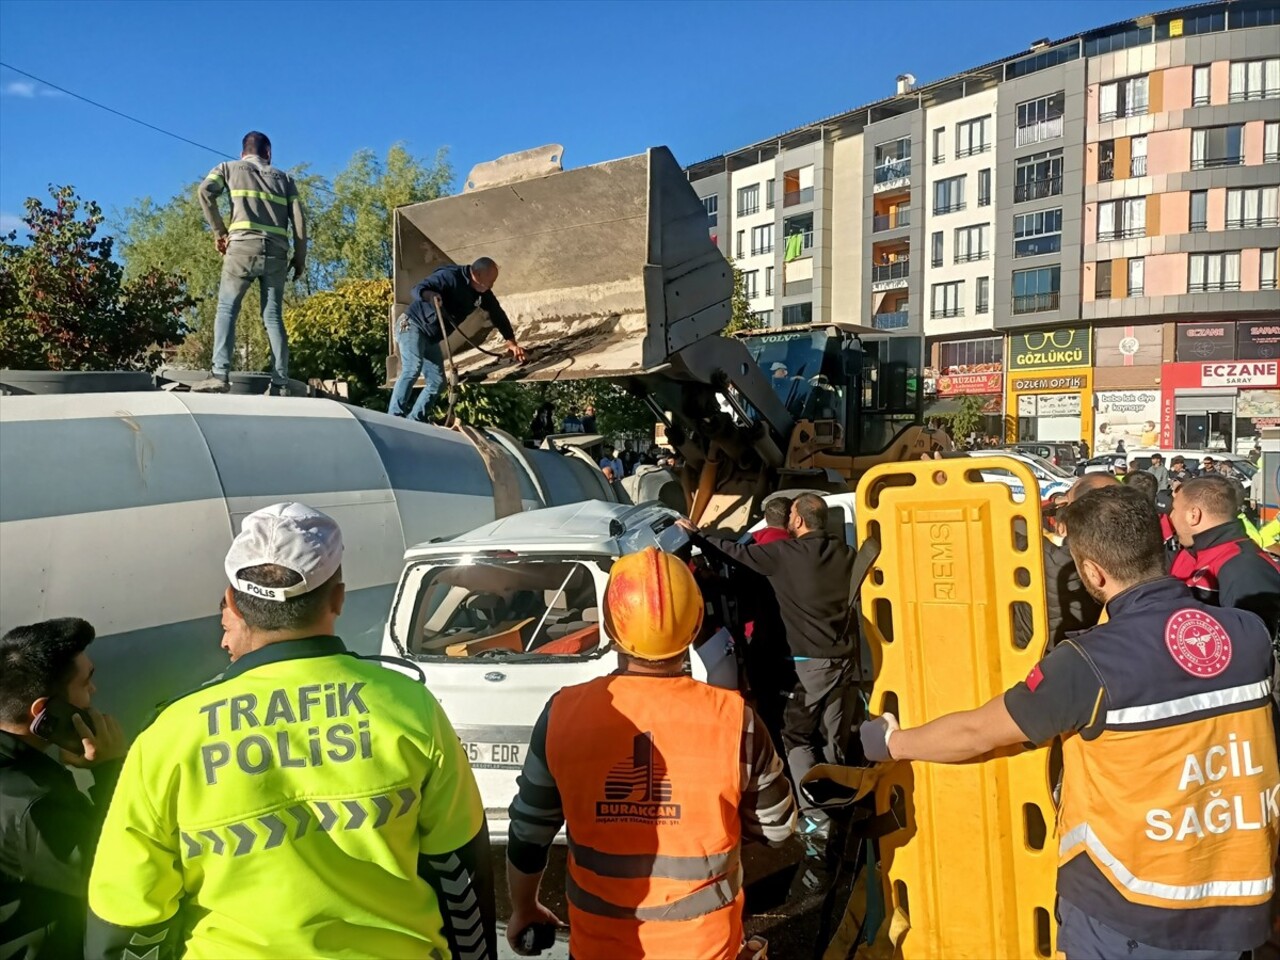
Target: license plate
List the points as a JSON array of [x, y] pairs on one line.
[[495, 756]]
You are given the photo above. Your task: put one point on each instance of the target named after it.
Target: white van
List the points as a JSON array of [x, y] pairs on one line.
[[501, 618]]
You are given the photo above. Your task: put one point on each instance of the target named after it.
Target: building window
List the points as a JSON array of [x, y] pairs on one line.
[[935, 248], [972, 356], [948, 300], [893, 160], [1035, 291], [768, 281], [1254, 80], [762, 318], [1271, 142], [712, 203], [1122, 219], [984, 295], [973, 136], [762, 239], [769, 186], [796, 313], [1106, 160], [1199, 210], [1102, 279], [939, 145], [948, 195], [1217, 147], [1137, 276], [739, 246], [1138, 157], [984, 187], [1267, 270], [1213, 272], [1038, 176], [1252, 207], [748, 200], [749, 284], [1200, 87], [797, 186], [1035, 234], [1124, 98], [1040, 119], [971, 244]]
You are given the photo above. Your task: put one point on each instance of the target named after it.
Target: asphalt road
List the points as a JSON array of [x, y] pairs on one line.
[[784, 896]]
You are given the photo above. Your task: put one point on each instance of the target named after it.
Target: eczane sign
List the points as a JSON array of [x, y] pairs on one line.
[[1243, 373]]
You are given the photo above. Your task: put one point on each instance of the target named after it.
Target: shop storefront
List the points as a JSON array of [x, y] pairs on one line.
[[1224, 388], [1050, 385], [967, 368], [1126, 387]]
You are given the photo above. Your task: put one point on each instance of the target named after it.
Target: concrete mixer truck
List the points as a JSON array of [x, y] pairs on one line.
[[609, 272]]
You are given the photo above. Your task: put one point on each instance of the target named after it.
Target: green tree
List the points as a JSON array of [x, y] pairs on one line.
[[741, 317], [967, 419], [65, 304]]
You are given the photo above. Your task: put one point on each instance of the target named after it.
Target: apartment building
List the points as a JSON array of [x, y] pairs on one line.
[[1051, 231]]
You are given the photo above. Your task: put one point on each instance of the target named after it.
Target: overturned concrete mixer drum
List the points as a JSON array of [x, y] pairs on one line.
[[119, 508]]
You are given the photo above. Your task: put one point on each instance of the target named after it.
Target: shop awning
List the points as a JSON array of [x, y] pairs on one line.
[[942, 407]]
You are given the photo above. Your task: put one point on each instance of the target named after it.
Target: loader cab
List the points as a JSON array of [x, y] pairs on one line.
[[866, 387]]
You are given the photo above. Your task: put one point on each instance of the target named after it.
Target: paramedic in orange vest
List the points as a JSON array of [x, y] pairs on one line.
[[1170, 804], [658, 778]]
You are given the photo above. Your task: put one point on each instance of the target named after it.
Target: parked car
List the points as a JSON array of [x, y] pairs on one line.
[[1059, 453], [1103, 463], [1052, 479], [1242, 467]]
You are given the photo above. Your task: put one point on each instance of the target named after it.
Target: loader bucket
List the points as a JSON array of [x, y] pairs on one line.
[[606, 270]]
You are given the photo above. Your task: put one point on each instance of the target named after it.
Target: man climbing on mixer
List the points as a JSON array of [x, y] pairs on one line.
[[440, 303]]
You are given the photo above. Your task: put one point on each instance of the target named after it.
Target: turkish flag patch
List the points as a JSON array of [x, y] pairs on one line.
[[1034, 678]]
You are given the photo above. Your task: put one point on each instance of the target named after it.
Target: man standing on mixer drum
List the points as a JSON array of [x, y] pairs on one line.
[[440, 303]]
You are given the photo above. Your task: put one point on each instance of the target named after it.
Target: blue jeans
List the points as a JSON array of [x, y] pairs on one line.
[[417, 354], [248, 260]]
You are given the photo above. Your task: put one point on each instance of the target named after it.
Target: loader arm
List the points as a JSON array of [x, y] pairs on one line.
[[607, 271]]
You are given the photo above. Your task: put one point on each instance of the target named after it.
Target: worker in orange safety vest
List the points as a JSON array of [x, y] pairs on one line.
[[658, 778]]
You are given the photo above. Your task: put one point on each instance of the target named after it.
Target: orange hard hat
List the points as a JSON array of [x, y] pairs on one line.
[[652, 606]]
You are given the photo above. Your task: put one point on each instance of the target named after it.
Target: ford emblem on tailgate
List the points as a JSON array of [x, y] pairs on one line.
[[495, 676]]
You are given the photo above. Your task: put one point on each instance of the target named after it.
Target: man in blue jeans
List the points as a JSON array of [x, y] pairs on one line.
[[255, 249], [456, 291]]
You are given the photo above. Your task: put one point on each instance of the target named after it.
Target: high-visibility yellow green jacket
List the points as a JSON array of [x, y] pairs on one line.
[[264, 203], [309, 803]]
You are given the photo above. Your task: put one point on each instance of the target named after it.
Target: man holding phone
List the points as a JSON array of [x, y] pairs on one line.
[[48, 828]]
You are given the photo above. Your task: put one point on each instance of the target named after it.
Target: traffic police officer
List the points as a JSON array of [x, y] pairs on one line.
[[307, 803], [1170, 808]]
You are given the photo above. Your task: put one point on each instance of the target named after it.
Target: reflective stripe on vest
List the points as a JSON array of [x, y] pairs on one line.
[[261, 195], [706, 900], [1083, 836], [264, 227], [639, 865]]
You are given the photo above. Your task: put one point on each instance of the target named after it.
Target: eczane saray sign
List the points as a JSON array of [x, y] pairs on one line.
[[1242, 373]]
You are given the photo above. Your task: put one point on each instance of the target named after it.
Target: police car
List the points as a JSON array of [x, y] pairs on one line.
[[502, 617], [1052, 480]]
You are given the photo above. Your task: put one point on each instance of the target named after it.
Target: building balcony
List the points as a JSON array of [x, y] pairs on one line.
[[1037, 189], [974, 150], [1251, 223], [797, 197], [894, 320], [1036, 302], [1212, 163], [1271, 156], [1243, 96], [1106, 170], [1138, 166], [1213, 286], [748, 211], [893, 170], [1135, 291], [1132, 110], [1039, 132], [946, 313], [1200, 100], [1122, 233], [955, 207], [1267, 283], [891, 221], [1199, 226], [972, 256], [760, 251], [898, 270]]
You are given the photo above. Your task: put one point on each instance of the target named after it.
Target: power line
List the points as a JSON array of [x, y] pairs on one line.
[[133, 119]]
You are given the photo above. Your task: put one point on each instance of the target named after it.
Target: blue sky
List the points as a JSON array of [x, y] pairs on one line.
[[324, 79]]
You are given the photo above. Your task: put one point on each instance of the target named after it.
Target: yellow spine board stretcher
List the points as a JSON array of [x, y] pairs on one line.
[[972, 870]]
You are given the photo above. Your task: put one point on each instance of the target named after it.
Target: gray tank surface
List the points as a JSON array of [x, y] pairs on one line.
[[119, 508]]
